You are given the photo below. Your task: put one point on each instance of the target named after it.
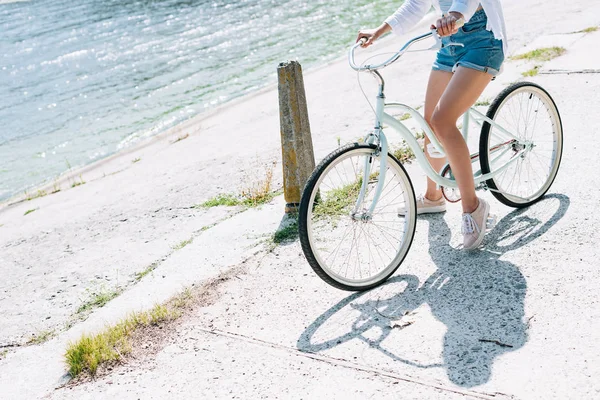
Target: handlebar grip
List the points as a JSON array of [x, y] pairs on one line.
[[460, 22], [363, 41]]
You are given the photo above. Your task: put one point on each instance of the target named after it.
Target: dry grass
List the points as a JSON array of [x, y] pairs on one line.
[[36, 195], [258, 189], [30, 211]]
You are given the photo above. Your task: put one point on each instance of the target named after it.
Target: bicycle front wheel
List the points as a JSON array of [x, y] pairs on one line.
[[345, 245], [528, 112]]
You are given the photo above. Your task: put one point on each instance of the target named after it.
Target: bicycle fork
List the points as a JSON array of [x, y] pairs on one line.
[[382, 150]]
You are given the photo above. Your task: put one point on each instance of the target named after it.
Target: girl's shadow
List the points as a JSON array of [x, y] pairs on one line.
[[478, 296]]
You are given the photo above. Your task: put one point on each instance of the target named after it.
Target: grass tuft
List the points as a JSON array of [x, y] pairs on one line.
[[405, 116], [55, 188], [38, 194], [228, 200], [182, 244], [532, 72], [338, 200], [180, 138], [116, 341], [78, 183], [588, 30], [482, 103], [286, 234], [113, 343], [258, 190], [99, 299], [135, 160], [41, 337], [543, 54], [30, 211], [150, 268], [404, 154]]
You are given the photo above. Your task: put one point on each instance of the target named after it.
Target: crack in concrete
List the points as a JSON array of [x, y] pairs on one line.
[[11, 345], [569, 72], [358, 367]]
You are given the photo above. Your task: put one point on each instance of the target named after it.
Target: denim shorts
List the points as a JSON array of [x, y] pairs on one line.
[[481, 50]]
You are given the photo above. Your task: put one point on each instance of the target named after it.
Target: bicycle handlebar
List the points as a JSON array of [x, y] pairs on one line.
[[433, 33]]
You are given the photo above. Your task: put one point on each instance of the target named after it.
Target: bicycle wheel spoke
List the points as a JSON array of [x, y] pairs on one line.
[[529, 113], [349, 245]]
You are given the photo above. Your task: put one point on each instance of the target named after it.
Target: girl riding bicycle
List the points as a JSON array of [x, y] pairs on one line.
[[458, 77]]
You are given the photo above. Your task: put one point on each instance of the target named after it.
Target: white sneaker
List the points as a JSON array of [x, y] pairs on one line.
[[474, 225], [426, 206]]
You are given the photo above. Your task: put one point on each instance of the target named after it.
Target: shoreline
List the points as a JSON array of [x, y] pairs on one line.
[[69, 176]]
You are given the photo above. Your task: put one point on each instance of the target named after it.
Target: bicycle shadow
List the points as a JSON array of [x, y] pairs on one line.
[[479, 297]]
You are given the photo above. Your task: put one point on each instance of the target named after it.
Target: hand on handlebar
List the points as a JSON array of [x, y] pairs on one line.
[[449, 24], [370, 35]]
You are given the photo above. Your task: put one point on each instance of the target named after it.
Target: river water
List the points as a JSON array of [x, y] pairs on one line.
[[82, 79]]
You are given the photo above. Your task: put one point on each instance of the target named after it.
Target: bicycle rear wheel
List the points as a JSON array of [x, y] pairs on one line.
[[528, 112], [345, 247]]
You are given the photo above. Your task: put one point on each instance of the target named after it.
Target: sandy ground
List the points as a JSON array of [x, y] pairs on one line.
[[281, 332]]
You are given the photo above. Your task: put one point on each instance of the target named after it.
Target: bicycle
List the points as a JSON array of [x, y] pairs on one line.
[[357, 215]]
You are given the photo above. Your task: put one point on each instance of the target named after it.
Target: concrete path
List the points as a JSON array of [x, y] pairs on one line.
[[517, 319]]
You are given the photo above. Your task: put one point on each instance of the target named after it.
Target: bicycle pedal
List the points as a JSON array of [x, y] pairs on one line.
[[491, 221]]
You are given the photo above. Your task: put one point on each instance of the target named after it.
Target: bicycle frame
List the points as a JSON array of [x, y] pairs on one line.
[[508, 141]]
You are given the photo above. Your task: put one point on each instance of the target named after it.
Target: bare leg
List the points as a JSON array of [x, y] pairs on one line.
[[461, 93], [438, 81]]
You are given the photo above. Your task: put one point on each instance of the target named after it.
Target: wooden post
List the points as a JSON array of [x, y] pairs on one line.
[[296, 142]]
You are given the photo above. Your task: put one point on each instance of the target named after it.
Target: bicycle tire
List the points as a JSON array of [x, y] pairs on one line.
[[500, 102], [309, 202]]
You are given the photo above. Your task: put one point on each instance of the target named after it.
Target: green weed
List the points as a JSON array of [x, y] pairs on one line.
[[38, 194], [41, 337], [99, 299], [532, 72], [286, 234], [182, 244], [588, 30], [338, 200], [228, 200], [544, 54], [150, 268], [90, 351], [180, 138], [78, 183]]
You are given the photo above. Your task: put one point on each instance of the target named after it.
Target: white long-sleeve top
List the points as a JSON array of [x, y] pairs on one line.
[[412, 11]]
